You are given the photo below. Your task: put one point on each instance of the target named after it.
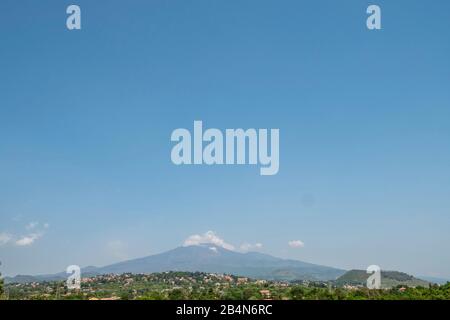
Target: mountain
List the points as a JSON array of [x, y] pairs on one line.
[[207, 258], [389, 279], [211, 259]]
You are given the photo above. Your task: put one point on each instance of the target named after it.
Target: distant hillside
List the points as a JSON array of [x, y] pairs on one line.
[[436, 280], [21, 279], [389, 279], [88, 271], [213, 259]]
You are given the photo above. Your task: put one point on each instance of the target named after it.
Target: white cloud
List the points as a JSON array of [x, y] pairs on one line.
[[28, 240], [296, 244], [207, 238], [5, 238], [251, 247]]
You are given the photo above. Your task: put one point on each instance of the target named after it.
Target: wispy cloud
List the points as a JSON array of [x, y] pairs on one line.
[[246, 247], [207, 238], [5, 238], [296, 244], [31, 225], [34, 233], [117, 249]]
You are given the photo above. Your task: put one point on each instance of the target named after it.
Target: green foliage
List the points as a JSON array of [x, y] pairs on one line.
[[177, 294], [1, 286]]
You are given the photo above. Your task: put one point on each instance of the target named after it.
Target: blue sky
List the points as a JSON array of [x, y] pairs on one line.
[[86, 118]]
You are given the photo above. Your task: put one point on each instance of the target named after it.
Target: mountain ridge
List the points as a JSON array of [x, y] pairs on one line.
[[211, 259]]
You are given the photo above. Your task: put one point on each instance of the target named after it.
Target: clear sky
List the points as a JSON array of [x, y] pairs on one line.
[[86, 118]]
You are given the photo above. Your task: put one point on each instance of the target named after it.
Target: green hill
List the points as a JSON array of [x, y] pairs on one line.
[[389, 279]]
